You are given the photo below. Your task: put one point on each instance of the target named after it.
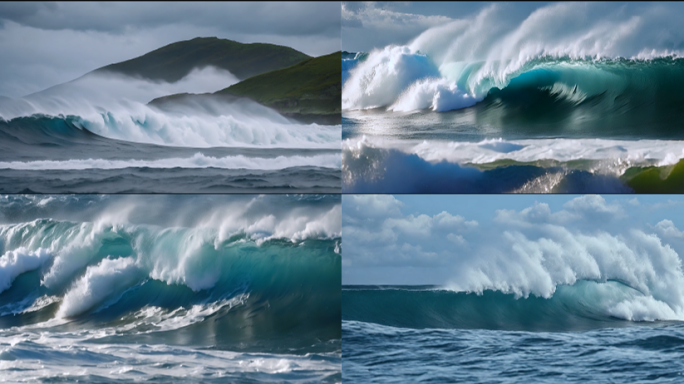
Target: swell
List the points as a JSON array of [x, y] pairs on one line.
[[583, 306]]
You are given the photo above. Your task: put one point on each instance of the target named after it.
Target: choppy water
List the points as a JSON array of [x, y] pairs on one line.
[[60, 155]]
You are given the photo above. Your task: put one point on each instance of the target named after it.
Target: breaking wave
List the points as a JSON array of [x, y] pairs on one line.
[[266, 276], [561, 62]]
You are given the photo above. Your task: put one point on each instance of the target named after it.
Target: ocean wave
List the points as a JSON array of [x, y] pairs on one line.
[[615, 86], [530, 165], [114, 362], [599, 65], [236, 125], [122, 267]]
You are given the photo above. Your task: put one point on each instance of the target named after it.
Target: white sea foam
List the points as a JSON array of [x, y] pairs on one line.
[[198, 160], [454, 65], [114, 106], [15, 262], [613, 156], [70, 358]]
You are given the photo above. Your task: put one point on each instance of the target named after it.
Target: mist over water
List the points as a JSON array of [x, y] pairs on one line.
[[115, 106]]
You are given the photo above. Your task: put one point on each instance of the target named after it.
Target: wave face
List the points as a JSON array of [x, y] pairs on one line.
[[246, 274], [583, 67], [583, 306], [573, 92], [439, 335]]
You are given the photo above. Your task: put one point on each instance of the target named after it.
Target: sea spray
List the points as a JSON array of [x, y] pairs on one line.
[[589, 54], [234, 272]]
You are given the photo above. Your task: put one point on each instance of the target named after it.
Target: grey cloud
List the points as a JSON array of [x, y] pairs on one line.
[[289, 18], [45, 44]]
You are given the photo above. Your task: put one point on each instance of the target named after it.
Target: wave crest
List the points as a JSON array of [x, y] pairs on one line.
[[629, 55]]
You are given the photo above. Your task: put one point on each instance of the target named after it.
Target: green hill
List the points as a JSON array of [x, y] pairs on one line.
[[174, 61], [310, 90]]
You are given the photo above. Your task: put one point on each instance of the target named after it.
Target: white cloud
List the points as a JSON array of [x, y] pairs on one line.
[[594, 205], [371, 16], [45, 44], [368, 206], [371, 26], [668, 229]]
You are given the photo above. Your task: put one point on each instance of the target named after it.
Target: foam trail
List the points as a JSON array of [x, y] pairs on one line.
[[164, 320], [196, 161]]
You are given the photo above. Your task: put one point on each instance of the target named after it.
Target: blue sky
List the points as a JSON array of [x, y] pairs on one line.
[[449, 239]]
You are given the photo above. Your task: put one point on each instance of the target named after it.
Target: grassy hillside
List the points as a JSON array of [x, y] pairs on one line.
[[172, 62], [310, 90]]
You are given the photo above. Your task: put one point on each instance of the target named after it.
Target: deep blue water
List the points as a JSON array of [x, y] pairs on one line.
[[419, 334]]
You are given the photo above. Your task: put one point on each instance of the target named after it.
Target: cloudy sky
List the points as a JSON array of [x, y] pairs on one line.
[[521, 242], [47, 43], [368, 25]]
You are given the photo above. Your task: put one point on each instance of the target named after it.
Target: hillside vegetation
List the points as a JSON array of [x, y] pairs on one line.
[[311, 89], [174, 61]]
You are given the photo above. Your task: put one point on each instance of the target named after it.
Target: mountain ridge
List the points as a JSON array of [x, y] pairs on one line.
[[309, 91]]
